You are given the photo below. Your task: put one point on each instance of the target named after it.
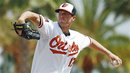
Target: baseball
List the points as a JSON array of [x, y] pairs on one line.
[[115, 63]]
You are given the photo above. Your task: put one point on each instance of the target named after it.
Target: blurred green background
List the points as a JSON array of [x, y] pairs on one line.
[[107, 21]]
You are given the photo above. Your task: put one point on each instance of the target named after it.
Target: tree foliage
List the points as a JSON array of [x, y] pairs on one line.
[[90, 23]]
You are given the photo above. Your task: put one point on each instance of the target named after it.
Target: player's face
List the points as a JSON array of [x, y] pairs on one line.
[[65, 19]]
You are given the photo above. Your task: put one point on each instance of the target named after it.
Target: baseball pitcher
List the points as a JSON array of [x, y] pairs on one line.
[[58, 45]]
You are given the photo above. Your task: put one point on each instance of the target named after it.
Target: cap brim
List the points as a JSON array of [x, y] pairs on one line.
[[57, 11]]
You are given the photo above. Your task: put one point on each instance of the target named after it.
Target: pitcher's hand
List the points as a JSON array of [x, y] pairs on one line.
[[115, 60]]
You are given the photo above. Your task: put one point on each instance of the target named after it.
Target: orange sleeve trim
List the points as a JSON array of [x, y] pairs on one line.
[[41, 22]]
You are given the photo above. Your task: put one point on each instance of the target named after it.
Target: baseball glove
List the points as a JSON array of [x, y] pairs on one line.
[[25, 31]]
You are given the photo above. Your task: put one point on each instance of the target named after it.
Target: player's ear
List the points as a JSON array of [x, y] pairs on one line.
[[74, 17]]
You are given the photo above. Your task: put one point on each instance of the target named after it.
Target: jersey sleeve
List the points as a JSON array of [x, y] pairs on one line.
[[45, 27], [83, 41]]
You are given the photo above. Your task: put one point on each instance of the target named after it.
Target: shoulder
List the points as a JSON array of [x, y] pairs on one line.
[[73, 32], [45, 19], [77, 34]]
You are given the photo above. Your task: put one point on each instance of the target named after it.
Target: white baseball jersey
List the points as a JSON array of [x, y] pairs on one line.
[[55, 52]]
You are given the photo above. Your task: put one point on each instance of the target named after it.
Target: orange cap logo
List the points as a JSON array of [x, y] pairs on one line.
[[64, 5]]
